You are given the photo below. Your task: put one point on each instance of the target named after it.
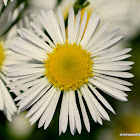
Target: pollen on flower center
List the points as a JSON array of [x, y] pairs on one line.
[[68, 66], [1, 55]]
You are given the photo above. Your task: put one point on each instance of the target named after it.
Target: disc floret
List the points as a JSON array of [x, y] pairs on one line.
[[68, 66]]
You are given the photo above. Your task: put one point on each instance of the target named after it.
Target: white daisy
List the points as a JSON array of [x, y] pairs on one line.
[[5, 2], [74, 66], [7, 18]]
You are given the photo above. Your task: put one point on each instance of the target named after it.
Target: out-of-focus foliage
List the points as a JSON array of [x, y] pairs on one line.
[[12, 13]]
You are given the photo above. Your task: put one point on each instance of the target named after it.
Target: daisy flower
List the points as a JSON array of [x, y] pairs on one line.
[[7, 18], [73, 66], [5, 2]]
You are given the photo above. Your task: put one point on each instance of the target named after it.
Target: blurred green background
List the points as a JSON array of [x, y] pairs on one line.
[[127, 118]]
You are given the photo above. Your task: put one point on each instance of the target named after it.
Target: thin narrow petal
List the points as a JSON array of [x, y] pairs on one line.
[[76, 114], [62, 24], [42, 34], [113, 79], [109, 90], [70, 25], [76, 27], [90, 29], [82, 27], [43, 107], [97, 35], [101, 98], [90, 107], [112, 55], [71, 114], [117, 74], [104, 41], [51, 109], [1, 101], [113, 84], [84, 113], [97, 104]]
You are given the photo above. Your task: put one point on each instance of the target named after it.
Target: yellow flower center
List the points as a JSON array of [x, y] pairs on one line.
[[68, 66], [1, 54]]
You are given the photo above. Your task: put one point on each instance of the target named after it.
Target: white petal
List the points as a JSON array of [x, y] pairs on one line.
[[102, 42], [97, 35], [70, 25], [39, 31], [122, 57], [101, 98], [94, 110], [56, 27], [117, 63], [24, 53], [71, 113], [7, 97], [111, 67], [76, 27], [25, 65], [61, 116], [51, 28], [51, 109], [88, 102], [26, 86], [112, 55], [25, 72], [90, 29], [28, 91], [43, 107], [45, 24], [37, 105], [24, 80], [76, 114], [62, 24], [29, 47], [1, 101], [84, 113], [82, 27], [37, 98], [109, 90], [113, 84], [31, 97], [117, 74], [107, 45], [116, 80], [97, 104], [34, 39]]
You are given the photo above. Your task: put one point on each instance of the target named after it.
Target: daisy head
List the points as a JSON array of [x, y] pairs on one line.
[[73, 65], [8, 17], [6, 102]]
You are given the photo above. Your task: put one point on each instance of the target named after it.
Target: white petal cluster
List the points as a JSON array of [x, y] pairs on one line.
[[7, 17], [42, 97]]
